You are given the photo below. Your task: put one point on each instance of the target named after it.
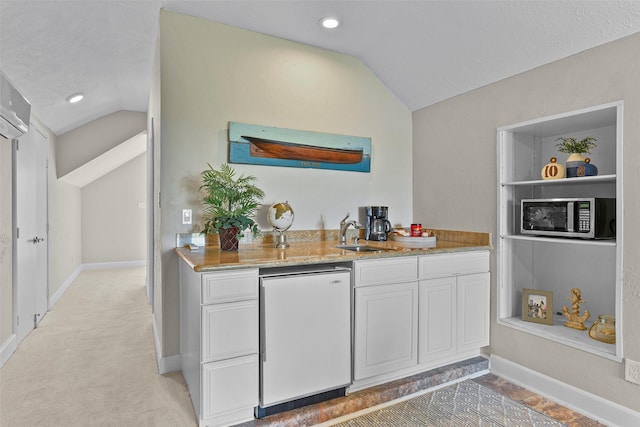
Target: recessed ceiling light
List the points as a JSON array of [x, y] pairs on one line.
[[76, 97], [329, 22]]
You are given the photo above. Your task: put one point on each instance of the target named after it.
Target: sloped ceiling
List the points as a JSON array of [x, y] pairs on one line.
[[425, 51], [107, 161]]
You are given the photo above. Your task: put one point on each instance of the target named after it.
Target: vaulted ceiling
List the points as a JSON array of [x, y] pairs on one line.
[[425, 51]]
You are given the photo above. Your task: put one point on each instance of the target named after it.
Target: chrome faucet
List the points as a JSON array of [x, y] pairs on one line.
[[344, 225]]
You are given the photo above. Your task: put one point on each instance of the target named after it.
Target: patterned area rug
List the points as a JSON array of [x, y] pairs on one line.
[[463, 404]]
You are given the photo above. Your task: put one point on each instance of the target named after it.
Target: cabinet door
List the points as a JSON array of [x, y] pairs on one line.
[[229, 330], [473, 311], [229, 386], [386, 328], [437, 313]]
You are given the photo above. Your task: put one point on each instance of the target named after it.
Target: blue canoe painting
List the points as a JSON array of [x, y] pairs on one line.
[[263, 145]]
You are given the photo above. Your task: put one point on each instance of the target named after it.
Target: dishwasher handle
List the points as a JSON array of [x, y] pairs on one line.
[[263, 331]]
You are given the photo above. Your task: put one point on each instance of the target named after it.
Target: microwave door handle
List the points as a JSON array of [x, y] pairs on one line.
[[571, 213]]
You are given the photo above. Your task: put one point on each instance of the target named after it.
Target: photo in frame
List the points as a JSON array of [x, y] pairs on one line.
[[537, 306]]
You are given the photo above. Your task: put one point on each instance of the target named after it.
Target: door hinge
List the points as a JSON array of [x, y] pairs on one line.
[[35, 320], [17, 145], [17, 232]]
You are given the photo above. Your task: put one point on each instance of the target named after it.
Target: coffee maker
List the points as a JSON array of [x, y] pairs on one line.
[[376, 223]]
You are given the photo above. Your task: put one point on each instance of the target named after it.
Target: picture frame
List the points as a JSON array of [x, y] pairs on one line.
[[537, 306]]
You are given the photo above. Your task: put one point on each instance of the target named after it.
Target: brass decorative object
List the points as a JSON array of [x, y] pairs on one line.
[[604, 329], [575, 321]]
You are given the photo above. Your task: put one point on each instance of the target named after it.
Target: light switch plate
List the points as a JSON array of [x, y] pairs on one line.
[[186, 216]]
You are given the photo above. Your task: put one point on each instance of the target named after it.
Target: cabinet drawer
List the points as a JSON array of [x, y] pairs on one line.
[[453, 264], [229, 286], [229, 330], [385, 271], [229, 387]]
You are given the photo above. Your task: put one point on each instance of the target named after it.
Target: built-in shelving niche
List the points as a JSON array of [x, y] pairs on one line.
[[559, 264]]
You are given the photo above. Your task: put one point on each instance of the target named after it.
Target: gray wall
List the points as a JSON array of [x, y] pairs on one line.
[[78, 146], [212, 74], [457, 139], [114, 222]]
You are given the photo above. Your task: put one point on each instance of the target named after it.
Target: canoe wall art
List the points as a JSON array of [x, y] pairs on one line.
[[263, 145]]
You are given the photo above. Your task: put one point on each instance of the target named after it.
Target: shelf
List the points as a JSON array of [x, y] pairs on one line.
[[564, 335], [564, 181], [561, 240], [545, 262]]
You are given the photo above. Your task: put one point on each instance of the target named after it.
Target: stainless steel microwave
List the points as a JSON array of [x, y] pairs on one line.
[[587, 218]]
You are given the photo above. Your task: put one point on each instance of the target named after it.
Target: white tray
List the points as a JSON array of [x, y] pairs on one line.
[[415, 242]]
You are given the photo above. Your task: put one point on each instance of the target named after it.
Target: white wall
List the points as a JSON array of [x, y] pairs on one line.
[[114, 222], [457, 140], [65, 240], [213, 74]]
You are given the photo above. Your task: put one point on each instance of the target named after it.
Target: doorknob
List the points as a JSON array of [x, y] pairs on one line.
[[37, 240]]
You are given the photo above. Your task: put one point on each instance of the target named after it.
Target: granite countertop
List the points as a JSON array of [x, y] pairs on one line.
[[264, 254]]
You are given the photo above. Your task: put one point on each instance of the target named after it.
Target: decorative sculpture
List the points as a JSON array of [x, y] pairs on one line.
[[575, 321]]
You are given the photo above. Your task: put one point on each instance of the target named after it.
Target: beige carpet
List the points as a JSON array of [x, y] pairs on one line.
[[91, 362]]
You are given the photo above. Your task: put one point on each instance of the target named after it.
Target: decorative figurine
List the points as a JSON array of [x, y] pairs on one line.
[[575, 320], [587, 169], [552, 170]]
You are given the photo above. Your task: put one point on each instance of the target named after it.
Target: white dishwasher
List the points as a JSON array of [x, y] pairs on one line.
[[305, 336]]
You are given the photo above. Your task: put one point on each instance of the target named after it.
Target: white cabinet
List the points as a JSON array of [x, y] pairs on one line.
[[437, 319], [416, 312], [454, 304], [386, 316], [558, 264], [229, 330], [219, 343], [473, 311]]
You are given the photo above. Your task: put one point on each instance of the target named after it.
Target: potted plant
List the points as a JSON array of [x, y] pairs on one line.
[[575, 149], [573, 146], [229, 204]]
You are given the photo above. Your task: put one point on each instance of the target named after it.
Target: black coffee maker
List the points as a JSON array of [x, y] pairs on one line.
[[376, 223]]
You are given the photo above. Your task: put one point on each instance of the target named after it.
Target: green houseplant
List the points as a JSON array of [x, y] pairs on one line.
[[230, 204], [574, 164], [572, 145]]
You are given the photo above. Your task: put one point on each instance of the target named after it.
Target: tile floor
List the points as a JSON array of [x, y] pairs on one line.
[[363, 399]]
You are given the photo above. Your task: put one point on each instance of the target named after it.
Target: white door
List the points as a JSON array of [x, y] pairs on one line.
[[386, 329], [437, 319], [31, 257], [473, 311]]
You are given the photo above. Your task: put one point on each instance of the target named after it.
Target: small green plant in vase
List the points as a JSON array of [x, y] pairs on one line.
[[229, 204], [576, 148], [572, 145]]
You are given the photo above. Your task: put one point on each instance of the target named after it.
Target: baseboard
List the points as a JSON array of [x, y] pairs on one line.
[[8, 347], [62, 289], [602, 410], [166, 364], [118, 264]]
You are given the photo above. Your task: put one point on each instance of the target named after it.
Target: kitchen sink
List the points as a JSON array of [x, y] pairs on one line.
[[361, 248]]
